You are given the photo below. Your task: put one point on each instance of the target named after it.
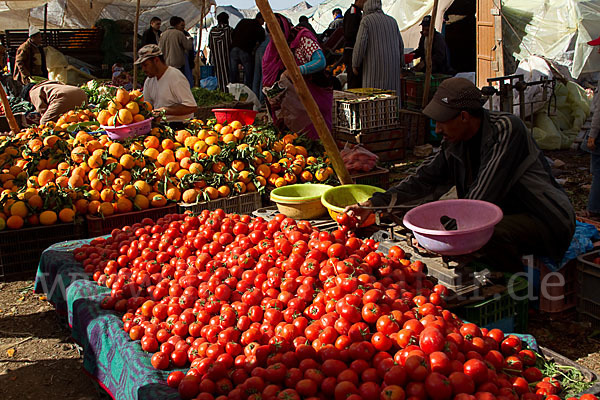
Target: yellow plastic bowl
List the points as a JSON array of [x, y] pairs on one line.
[[301, 201], [338, 198]]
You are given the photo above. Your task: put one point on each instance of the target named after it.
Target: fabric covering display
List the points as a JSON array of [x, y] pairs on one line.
[[110, 357]]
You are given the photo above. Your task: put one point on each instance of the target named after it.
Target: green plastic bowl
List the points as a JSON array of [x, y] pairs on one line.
[[338, 198], [301, 201]]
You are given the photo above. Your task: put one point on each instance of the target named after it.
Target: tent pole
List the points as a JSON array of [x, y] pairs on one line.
[[300, 84], [428, 55], [197, 63], [135, 39], [46, 23], [12, 122]]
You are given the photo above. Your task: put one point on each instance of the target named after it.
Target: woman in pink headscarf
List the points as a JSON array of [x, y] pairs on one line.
[[311, 61]]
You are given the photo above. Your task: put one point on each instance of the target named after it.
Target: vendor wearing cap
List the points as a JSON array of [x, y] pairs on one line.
[[166, 88], [30, 60], [493, 157], [440, 58]]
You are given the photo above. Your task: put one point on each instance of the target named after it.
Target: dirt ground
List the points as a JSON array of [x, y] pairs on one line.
[[38, 359]]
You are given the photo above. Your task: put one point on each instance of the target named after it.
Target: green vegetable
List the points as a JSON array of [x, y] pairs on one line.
[[205, 97], [572, 381]]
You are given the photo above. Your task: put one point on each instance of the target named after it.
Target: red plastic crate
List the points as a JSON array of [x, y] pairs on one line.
[[98, 226], [557, 289]]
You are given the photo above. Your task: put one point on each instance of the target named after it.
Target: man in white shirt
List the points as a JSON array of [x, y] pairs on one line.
[[166, 88]]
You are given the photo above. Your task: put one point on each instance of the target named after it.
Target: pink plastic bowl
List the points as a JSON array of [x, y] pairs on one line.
[[126, 131], [475, 220], [227, 115]]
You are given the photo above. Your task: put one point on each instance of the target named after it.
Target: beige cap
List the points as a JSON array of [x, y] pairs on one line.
[[147, 52]]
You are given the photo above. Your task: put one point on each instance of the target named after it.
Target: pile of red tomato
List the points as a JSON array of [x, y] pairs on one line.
[[279, 310]]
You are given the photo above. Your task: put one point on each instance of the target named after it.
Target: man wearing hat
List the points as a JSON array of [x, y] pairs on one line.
[[30, 60], [440, 59], [493, 157], [592, 145], [166, 88]]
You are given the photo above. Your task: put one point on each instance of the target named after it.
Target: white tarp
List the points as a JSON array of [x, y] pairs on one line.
[[19, 14]]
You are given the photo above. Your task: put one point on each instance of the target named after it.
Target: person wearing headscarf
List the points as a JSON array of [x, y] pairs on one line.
[[219, 43], [379, 49], [311, 60]]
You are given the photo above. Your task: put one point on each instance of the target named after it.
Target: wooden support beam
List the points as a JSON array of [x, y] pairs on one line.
[[428, 51]]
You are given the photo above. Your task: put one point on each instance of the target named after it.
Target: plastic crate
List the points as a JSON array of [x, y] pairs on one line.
[[557, 290], [241, 204], [416, 127], [370, 91], [507, 311], [379, 177], [366, 114], [98, 226], [413, 86], [588, 278], [388, 145], [20, 250]]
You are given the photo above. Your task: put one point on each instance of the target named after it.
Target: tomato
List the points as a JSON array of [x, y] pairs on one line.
[[476, 370], [160, 360], [189, 387], [392, 392], [438, 387], [511, 345], [395, 376], [416, 368], [461, 383], [344, 389], [431, 340], [470, 331], [528, 357], [439, 362]]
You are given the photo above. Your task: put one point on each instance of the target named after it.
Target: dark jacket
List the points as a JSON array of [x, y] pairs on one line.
[[248, 33], [25, 65], [149, 37], [439, 54], [512, 173], [352, 19], [308, 26]]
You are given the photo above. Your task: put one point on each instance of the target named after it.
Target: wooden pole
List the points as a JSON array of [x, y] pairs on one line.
[[199, 47], [12, 122], [307, 100], [135, 40], [428, 55]]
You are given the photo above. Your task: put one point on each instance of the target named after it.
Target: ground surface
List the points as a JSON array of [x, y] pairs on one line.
[[38, 359]]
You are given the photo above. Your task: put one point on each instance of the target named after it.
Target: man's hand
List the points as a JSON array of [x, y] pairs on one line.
[[591, 143], [359, 212]]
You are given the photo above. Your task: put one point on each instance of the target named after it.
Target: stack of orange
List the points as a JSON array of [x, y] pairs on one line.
[[125, 108]]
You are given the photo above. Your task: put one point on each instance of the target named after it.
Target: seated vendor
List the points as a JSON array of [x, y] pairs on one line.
[[166, 88], [493, 157], [52, 99]]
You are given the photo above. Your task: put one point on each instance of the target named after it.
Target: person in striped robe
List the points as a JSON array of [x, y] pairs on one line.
[[219, 43], [379, 49]]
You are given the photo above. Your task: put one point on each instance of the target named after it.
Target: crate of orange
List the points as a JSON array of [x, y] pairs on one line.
[[20, 250], [244, 203]]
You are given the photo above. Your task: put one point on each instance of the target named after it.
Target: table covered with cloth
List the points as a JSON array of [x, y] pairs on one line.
[[116, 362], [110, 357]]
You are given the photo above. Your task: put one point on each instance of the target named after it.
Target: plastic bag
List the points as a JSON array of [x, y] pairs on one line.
[[358, 159], [286, 106], [210, 83], [242, 92]]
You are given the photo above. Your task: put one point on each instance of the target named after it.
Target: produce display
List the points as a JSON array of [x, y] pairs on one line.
[[241, 308], [205, 97], [17, 105], [56, 171]]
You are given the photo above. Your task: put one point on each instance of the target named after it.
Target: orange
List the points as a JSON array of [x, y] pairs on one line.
[[151, 153], [210, 140], [116, 150], [196, 168], [81, 206], [19, 209], [185, 162], [75, 181], [190, 141], [136, 95], [106, 209], [142, 187], [172, 168], [236, 125], [124, 205], [51, 140], [263, 170], [129, 191], [113, 108], [107, 195], [127, 161], [48, 218], [66, 215], [124, 116], [141, 202], [62, 167], [213, 150], [190, 196], [228, 138], [200, 146], [224, 191], [35, 202], [94, 207], [103, 117], [94, 194], [122, 96], [95, 161], [181, 135], [138, 118], [165, 157], [244, 177], [167, 144], [238, 165], [15, 222], [125, 175], [62, 181], [151, 142], [226, 130], [157, 200], [239, 187], [182, 153], [133, 107], [45, 177], [173, 194], [211, 192], [181, 173]]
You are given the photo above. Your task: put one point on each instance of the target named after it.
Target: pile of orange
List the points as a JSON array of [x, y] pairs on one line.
[[53, 173], [125, 108]]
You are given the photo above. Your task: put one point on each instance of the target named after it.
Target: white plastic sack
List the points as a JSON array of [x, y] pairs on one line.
[[239, 89]]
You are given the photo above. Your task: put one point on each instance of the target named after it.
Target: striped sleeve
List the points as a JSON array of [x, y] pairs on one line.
[[502, 160], [360, 47]]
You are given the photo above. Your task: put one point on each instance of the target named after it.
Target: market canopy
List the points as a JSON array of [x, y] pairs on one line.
[[19, 14]]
